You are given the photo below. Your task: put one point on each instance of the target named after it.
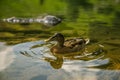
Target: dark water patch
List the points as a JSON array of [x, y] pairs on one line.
[[113, 44], [40, 77], [107, 10]]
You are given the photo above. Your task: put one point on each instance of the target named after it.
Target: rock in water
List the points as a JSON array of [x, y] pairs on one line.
[[47, 20]]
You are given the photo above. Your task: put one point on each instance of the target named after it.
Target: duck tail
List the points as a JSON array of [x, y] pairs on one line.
[[87, 41]]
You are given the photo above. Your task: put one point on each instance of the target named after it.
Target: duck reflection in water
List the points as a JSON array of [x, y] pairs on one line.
[[55, 63]]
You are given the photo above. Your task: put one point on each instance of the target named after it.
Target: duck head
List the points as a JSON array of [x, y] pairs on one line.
[[57, 37]]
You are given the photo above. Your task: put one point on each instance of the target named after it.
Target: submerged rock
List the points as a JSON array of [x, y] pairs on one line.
[[48, 20]]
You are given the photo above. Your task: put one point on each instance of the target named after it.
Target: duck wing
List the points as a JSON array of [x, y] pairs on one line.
[[74, 42]]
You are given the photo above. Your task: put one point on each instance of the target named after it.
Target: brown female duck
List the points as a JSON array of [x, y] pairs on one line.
[[67, 46]]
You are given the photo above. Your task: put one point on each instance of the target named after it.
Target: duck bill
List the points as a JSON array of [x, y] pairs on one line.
[[49, 39], [87, 41]]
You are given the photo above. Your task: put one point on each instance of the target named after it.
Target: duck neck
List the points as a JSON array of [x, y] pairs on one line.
[[60, 43]]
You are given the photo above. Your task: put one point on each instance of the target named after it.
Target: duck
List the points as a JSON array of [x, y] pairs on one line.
[[63, 46]]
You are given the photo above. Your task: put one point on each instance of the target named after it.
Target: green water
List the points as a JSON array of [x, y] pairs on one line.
[[98, 20]]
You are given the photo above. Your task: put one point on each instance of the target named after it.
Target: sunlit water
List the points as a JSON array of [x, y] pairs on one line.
[[26, 62]]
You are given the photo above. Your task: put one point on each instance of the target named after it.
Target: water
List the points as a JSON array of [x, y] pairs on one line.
[[25, 56], [39, 64]]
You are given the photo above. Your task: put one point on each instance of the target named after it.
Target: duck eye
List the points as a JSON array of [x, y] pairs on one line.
[[54, 36]]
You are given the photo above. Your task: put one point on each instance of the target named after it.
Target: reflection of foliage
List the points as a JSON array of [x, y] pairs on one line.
[[42, 2], [103, 31], [116, 20], [106, 10], [74, 7], [18, 36], [102, 16], [83, 3]]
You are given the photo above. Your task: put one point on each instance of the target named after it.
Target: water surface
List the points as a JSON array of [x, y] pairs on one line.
[[25, 56]]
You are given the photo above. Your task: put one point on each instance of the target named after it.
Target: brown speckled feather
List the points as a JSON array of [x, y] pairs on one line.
[[73, 42]]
